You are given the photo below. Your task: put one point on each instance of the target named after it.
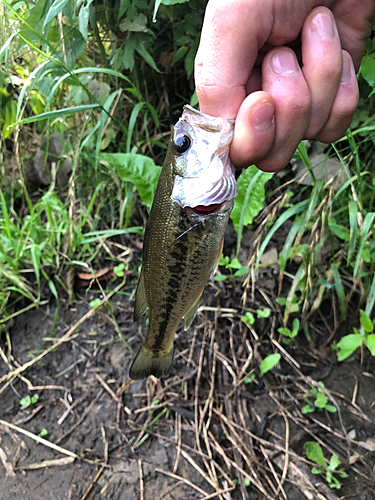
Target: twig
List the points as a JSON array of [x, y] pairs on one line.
[[80, 420], [71, 330], [141, 483], [179, 478]]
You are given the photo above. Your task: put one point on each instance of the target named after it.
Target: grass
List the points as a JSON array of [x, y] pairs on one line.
[[120, 121]]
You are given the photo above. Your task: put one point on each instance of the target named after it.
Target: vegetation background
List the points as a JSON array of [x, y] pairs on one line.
[[94, 87]]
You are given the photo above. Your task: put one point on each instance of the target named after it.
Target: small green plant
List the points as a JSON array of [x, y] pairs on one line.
[[250, 379], [119, 270], [235, 268], [29, 400], [317, 401], [365, 336], [249, 318], [269, 362], [315, 454], [290, 334]]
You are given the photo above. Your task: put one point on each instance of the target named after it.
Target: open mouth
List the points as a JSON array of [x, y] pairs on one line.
[[203, 210]]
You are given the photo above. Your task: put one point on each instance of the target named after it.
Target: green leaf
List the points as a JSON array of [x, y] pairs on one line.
[[348, 345], [269, 362], [340, 231], [140, 47], [220, 277], [321, 400], [365, 322], [263, 313], [368, 68], [248, 318], [307, 409], [55, 8], [315, 454], [164, 2], [285, 331], [242, 271], [370, 343], [250, 197], [353, 222], [137, 169], [94, 303], [26, 401], [366, 226], [339, 290], [234, 264], [35, 398], [330, 408]]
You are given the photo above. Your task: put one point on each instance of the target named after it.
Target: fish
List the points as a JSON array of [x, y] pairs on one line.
[[184, 234]]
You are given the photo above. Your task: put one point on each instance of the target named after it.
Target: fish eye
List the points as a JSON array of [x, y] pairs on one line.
[[182, 144]]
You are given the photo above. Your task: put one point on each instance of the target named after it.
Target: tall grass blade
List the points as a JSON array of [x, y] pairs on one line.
[[368, 224]]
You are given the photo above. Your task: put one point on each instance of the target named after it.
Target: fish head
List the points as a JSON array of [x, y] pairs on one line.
[[204, 177]]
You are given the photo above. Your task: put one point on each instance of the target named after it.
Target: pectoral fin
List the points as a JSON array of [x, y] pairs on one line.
[[219, 252], [190, 240], [190, 315], [140, 299]]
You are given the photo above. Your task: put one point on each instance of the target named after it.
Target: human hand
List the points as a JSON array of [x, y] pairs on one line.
[[244, 70]]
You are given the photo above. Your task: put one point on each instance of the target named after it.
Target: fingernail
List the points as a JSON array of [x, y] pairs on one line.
[[322, 25], [262, 116], [284, 63], [346, 69]]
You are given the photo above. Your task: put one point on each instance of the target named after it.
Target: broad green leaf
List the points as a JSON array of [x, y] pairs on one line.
[[368, 69], [370, 343], [55, 8], [140, 47], [315, 454], [137, 169], [269, 362], [365, 322], [250, 197], [264, 313], [234, 264], [164, 2], [348, 345], [307, 409], [248, 318], [340, 231], [220, 277], [83, 18], [320, 400], [330, 408]]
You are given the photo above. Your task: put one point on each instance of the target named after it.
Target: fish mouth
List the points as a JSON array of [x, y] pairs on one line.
[[206, 210]]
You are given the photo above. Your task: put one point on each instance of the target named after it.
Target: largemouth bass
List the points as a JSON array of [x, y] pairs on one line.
[[184, 234]]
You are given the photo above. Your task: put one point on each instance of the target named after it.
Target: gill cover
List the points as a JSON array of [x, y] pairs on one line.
[[204, 174]]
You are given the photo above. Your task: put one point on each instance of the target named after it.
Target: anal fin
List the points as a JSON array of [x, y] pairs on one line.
[[140, 306]]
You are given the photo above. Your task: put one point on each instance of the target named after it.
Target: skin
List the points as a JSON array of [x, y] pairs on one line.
[[247, 68]]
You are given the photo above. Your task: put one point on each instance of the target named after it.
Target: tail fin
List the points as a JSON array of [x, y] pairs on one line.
[[147, 363]]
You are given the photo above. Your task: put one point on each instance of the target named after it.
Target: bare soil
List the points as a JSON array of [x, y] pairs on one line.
[[207, 431]]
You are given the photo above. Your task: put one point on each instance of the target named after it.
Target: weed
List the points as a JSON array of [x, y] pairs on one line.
[[329, 470], [29, 400], [317, 401]]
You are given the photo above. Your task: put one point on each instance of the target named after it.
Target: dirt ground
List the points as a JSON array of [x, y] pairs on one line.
[[213, 430]]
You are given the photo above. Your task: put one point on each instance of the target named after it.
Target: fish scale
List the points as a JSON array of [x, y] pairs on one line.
[[184, 234]]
